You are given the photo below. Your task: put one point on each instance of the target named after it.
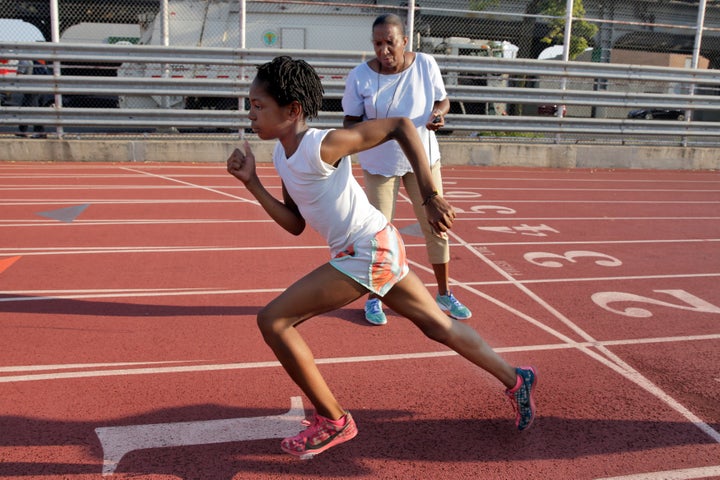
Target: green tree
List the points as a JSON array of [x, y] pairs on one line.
[[582, 31]]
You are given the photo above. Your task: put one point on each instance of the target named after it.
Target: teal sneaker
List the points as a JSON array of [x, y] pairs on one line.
[[521, 397], [452, 306], [374, 313]]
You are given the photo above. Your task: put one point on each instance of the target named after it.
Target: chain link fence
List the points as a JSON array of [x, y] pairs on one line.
[[664, 33]]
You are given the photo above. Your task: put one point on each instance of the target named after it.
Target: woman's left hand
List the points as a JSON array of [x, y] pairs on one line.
[[436, 121]]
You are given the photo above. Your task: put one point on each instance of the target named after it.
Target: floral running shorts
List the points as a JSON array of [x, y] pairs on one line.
[[377, 263]]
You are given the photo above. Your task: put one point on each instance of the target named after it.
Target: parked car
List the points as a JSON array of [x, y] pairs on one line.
[[14, 99], [550, 110], [657, 113]]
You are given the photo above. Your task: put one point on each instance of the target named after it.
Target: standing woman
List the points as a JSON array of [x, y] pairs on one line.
[[398, 83]]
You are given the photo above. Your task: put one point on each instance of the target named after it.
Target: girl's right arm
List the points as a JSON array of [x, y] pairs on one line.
[[347, 141], [286, 214], [349, 121]]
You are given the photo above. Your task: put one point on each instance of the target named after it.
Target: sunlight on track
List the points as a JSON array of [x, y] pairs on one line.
[[686, 474]]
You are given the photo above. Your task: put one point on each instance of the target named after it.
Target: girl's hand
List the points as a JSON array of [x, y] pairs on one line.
[[440, 214], [242, 165]]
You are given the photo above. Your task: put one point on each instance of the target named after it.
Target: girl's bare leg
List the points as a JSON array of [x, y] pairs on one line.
[[322, 290], [410, 298]]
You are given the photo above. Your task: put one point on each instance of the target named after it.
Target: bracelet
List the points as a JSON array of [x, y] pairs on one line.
[[430, 197]]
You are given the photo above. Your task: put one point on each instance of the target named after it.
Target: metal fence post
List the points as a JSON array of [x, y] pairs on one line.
[[55, 38], [242, 20], [411, 23], [165, 34], [698, 43], [569, 5]]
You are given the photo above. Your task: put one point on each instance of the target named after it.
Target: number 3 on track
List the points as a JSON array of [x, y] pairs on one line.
[[547, 259]]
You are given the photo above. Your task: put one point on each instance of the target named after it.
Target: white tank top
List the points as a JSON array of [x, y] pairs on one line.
[[329, 198]]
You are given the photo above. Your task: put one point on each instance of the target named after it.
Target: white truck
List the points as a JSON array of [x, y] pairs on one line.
[[12, 30], [477, 48], [216, 23]]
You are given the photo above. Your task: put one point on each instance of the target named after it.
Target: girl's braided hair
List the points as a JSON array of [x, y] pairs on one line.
[[289, 80]]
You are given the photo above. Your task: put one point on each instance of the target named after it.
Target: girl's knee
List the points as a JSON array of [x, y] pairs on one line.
[[436, 331], [268, 324]]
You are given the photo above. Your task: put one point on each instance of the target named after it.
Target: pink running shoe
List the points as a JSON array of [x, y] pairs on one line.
[[321, 433]]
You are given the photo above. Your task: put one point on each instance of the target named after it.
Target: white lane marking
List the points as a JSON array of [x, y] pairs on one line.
[[169, 293], [337, 360], [584, 190], [226, 180], [68, 250], [596, 242], [469, 173], [606, 357], [684, 474], [92, 223], [123, 201], [612, 279], [110, 293], [116, 442], [70, 366], [40, 223], [159, 291], [135, 186], [209, 189], [28, 251], [575, 219], [104, 187], [136, 371], [119, 201]]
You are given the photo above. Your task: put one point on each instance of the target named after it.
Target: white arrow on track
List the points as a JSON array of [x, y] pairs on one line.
[[118, 441]]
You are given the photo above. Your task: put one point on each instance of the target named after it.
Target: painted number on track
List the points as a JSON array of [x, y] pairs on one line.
[[524, 229], [500, 210], [552, 260], [690, 302]]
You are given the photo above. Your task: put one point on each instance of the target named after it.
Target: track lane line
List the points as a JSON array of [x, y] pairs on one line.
[[209, 189], [276, 364], [605, 356], [109, 293], [684, 474]]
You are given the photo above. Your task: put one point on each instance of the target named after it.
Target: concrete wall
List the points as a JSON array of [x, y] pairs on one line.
[[453, 153]]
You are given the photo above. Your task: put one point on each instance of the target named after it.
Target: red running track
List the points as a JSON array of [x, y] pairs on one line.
[[128, 345]]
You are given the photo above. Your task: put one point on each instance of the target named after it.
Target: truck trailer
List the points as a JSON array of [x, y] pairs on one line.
[[216, 23]]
